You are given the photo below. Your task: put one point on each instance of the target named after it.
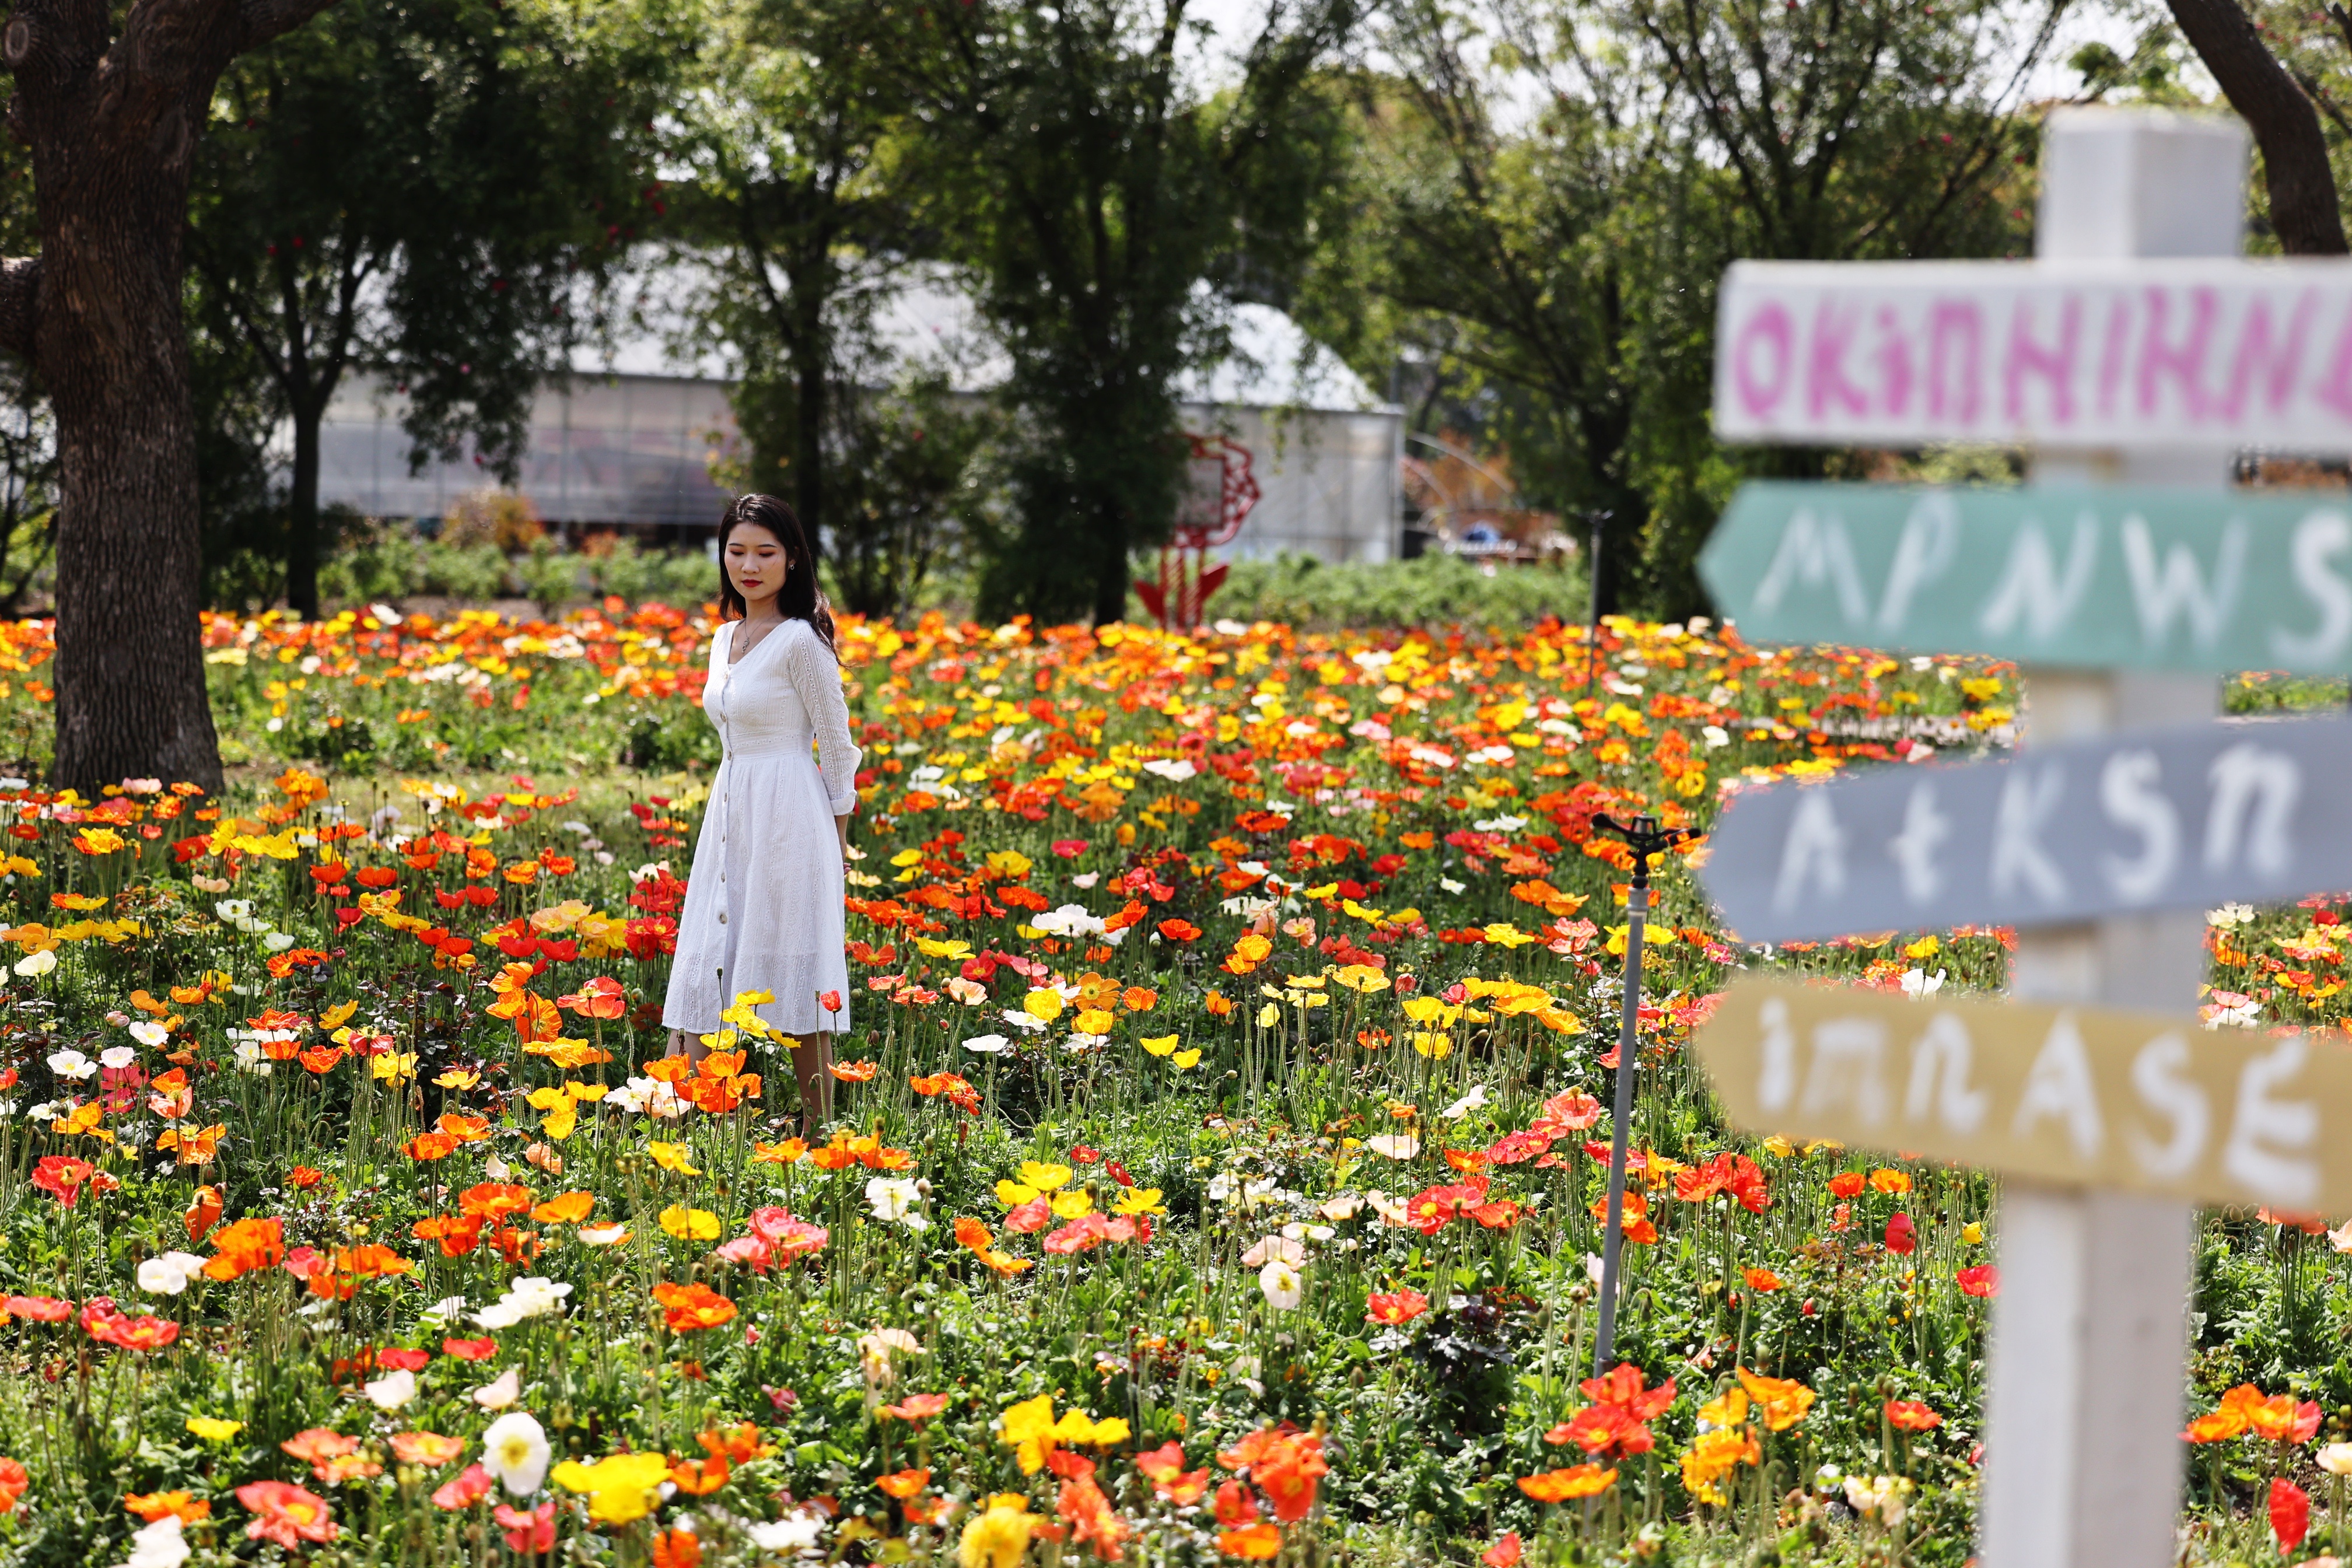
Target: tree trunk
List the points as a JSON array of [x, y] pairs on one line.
[[112, 122], [111, 349], [2294, 154], [302, 542], [812, 369]]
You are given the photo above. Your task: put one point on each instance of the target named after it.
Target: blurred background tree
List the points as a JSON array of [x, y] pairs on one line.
[[1108, 211], [430, 190]]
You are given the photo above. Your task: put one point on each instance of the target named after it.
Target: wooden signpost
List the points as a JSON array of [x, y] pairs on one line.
[[2185, 818], [2138, 578], [2136, 350]]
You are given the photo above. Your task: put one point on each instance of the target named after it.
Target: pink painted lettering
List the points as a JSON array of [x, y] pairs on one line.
[[2336, 391], [2111, 356], [1825, 379], [2273, 363], [1894, 364], [2185, 364], [1769, 327], [2053, 365], [1954, 327]]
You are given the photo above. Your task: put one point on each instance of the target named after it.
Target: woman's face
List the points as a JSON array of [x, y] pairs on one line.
[[756, 562]]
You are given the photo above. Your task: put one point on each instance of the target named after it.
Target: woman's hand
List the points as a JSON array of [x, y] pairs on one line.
[[841, 827]]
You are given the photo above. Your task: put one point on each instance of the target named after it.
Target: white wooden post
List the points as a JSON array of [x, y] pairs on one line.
[[2083, 1453]]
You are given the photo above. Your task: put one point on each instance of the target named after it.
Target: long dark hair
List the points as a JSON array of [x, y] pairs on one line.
[[800, 598]]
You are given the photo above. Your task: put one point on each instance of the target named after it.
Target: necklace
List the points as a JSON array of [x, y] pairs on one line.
[[736, 655]]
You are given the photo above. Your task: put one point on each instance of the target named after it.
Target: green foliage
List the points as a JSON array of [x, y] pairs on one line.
[[798, 226], [1548, 279], [1435, 590], [421, 190], [918, 492]]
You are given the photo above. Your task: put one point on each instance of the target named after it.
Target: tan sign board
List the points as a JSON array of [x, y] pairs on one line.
[[2084, 1096]]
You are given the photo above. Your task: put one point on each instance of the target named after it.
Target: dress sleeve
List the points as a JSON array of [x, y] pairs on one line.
[[817, 677]]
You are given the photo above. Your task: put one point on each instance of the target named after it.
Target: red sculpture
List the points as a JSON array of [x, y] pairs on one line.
[[1187, 577]]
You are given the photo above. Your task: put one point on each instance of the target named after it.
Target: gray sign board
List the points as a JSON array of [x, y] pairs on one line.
[[2172, 818]]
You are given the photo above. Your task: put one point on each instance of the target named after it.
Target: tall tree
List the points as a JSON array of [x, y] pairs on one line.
[[111, 101], [795, 227], [2299, 180], [1108, 211], [1574, 251], [420, 188]]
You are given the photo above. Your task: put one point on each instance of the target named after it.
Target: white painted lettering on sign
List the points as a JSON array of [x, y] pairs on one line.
[[2081, 1095], [2168, 818]]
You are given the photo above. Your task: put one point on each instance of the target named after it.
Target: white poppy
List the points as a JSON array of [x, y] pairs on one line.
[[894, 1198], [32, 965], [795, 1532], [1394, 1145], [158, 1545], [391, 1390], [515, 1449], [71, 1064], [148, 1032], [169, 1273], [1272, 1249], [499, 1395], [117, 1057], [1466, 1104], [1282, 1285]]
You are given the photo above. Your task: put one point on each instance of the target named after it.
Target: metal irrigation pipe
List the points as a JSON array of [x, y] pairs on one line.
[[1645, 839]]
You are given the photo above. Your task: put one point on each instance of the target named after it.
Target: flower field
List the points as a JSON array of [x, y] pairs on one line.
[[1218, 1138]]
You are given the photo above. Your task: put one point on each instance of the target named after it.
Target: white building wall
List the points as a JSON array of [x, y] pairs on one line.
[[637, 450]]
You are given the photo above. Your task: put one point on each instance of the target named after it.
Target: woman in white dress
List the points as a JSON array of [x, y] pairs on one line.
[[764, 905]]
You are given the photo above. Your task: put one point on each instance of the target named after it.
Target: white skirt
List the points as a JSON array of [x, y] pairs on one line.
[[763, 905]]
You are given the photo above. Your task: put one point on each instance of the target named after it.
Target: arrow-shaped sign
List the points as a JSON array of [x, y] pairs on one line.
[[2216, 352], [2153, 819], [2079, 1095], [2122, 578]]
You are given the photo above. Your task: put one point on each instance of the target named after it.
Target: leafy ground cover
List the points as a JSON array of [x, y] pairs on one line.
[[1214, 1170]]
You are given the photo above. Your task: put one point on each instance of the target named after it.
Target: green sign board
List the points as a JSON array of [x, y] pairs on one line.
[[2106, 578]]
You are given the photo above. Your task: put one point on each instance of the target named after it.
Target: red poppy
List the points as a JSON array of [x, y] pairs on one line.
[[482, 1349], [13, 1482], [1503, 1553], [1984, 1280], [600, 998], [1910, 1415], [471, 1486], [2290, 1512], [691, 1307], [532, 1530], [61, 1176], [1847, 1185], [1395, 1308], [36, 1309], [1604, 1429], [1179, 931], [1901, 1235]]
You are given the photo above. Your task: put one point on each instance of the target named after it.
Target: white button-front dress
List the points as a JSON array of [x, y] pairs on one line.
[[763, 905]]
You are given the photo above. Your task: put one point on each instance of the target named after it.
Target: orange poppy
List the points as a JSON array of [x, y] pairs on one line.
[[692, 1307], [904, 1484], [244, 1246], [700, 1478]]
